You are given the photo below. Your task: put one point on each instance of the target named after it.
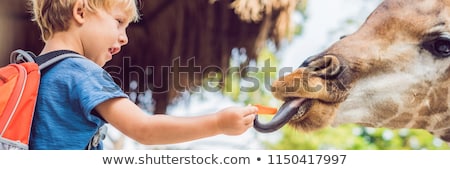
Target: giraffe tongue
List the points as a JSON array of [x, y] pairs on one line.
[[284, 114]]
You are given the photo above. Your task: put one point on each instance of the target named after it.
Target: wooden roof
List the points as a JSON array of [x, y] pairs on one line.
[[198, 31]]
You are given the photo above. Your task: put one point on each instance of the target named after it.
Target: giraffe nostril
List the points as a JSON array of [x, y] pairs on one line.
[[326, 66]]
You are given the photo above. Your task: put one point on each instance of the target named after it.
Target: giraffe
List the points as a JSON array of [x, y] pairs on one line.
[[393, 72]]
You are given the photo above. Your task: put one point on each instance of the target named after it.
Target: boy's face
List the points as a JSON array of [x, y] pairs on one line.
[[104, 34]]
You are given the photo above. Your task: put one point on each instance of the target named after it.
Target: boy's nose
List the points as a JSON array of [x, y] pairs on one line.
[[123, 39]]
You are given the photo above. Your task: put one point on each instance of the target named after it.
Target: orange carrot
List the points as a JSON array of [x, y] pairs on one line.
[[266, 109]]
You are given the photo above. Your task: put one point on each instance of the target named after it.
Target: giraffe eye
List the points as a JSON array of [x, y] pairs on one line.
[[442, 46], [439, 46]]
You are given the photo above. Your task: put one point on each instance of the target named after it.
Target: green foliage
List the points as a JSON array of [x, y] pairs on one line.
[[353, 137], [301, 10], [301, 6], [241, 89]]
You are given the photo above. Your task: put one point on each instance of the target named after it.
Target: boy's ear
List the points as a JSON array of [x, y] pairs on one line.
[[79, 11]]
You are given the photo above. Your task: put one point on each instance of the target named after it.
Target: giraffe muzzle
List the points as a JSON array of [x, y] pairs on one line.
[[295, 109]]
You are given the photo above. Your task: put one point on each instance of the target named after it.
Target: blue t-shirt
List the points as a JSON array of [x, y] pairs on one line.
[[65, 110]]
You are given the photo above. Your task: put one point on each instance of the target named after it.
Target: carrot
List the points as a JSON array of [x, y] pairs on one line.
[[266, 109]]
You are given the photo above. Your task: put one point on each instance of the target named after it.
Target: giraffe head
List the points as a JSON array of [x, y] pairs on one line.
[[394, 72]]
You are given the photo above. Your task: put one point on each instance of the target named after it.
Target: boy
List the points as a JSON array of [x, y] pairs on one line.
[[77, 96]]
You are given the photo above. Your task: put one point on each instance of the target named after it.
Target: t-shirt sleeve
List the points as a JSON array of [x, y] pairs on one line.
[[96, 87]]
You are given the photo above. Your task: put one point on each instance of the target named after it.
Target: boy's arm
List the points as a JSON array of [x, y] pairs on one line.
[[127, 117]]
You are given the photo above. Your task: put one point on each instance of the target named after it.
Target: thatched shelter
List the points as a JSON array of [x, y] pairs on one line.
[[184, 33]]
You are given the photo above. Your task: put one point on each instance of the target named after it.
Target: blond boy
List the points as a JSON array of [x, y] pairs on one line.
[[73, 101]]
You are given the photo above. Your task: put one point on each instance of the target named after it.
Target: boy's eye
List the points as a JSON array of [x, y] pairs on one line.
[[120, 20]]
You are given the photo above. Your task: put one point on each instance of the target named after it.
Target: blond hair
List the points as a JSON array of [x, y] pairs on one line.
[[54, 15]]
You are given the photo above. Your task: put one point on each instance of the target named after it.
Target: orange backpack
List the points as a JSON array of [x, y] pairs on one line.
[[19, 84]]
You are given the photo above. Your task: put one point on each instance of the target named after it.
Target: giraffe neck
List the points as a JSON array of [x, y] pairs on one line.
[[420, 105]]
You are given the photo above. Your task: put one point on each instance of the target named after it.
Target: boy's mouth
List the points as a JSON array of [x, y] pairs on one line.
[[114, 50]]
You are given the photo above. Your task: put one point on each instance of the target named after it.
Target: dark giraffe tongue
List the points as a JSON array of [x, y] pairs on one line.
[[284, 114]]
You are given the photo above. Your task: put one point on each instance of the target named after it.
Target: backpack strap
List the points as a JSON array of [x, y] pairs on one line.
[[99, 135], [20, 56], [46, 61]]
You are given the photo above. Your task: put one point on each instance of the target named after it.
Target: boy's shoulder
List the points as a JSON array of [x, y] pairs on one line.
[[71, 69], [71, 73], [72, 63]]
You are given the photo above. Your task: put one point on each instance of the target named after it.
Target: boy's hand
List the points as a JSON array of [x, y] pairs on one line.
[[236, 120]]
